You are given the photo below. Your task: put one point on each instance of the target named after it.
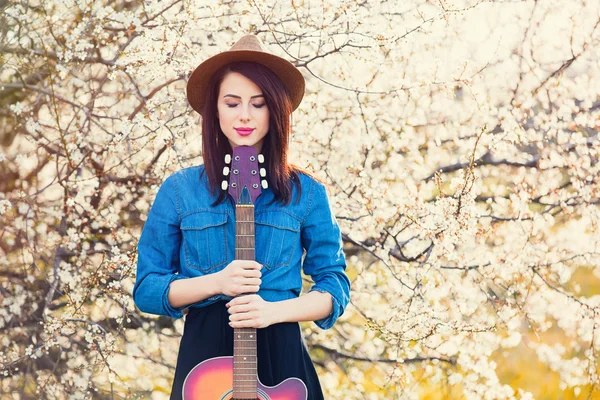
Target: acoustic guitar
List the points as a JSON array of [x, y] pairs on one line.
[[236, 378]]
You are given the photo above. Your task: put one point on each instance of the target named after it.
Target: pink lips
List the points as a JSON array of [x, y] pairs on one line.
[[244, 132]]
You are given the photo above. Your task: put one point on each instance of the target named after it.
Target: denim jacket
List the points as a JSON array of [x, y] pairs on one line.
[[184, 236]]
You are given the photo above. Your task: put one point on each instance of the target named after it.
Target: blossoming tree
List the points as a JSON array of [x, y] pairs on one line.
[[459, 140]]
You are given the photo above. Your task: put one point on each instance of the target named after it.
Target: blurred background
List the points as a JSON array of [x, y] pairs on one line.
[[459, 140]]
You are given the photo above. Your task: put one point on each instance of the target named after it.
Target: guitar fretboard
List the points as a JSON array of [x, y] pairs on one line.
[[244, 339]]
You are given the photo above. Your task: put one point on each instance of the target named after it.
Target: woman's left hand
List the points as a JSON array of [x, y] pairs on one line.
[[250, 311]]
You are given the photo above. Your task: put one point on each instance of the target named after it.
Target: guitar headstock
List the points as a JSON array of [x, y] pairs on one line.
[[244, 173]]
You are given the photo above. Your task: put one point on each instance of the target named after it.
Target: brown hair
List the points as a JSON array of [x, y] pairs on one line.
[[280, 174]]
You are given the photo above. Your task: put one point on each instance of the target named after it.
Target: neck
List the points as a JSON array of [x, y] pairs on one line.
[[244, 339]]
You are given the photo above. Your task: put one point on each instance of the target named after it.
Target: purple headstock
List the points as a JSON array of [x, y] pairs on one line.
[[244, 173]]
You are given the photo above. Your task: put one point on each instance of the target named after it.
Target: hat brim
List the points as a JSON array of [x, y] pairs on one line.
[[289, 75]]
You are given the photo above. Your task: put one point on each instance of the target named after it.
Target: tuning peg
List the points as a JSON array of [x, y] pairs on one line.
[[224, 185], [225, 171], [264, 183], [261, 158], [263, 172], [227, 158]]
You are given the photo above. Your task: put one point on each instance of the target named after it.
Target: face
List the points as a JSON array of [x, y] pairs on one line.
[[242, 111]]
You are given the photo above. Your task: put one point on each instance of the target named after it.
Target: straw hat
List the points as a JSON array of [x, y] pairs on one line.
[[247, 48]]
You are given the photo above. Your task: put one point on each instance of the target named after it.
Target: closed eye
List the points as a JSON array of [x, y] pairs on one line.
[[255, 105]]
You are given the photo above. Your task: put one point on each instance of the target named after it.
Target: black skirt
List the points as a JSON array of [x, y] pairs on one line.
[[281, 349]]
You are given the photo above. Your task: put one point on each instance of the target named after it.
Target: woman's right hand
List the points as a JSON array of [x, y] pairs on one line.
[[239, 277]]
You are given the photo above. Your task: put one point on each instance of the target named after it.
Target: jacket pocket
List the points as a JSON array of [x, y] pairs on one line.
[[277, 235], [205, 240]]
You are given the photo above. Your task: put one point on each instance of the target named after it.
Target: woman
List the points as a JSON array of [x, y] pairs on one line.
[[187, 247]]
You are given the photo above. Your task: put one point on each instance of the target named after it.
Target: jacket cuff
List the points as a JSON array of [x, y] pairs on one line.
[[175, 313], [337, 310]]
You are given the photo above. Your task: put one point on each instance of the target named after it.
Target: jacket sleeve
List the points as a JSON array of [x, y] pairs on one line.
[[324, 260], [158, 254]]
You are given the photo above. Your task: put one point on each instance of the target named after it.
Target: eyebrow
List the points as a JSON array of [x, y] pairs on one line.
[[238, 97]]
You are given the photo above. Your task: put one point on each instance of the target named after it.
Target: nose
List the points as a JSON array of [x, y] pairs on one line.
[[245, 113]]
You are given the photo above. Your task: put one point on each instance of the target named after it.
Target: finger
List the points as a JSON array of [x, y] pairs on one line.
[[243, 317], [242, 308], [245, 280], [238, 300], [239, 263], [252, 265], [250, 289], [235, 303], [252, 273], [244, 324], [247, 285], [251, 297]]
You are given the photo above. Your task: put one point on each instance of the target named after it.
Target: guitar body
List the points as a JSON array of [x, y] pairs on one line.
[[212, 380]]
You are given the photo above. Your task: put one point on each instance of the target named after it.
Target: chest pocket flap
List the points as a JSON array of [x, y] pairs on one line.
[[277, 236], [205, 240]]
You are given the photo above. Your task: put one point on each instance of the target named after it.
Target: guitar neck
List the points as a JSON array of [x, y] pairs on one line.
[[244, 339]]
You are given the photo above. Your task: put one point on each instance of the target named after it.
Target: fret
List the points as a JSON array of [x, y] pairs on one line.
[[252, 221]]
